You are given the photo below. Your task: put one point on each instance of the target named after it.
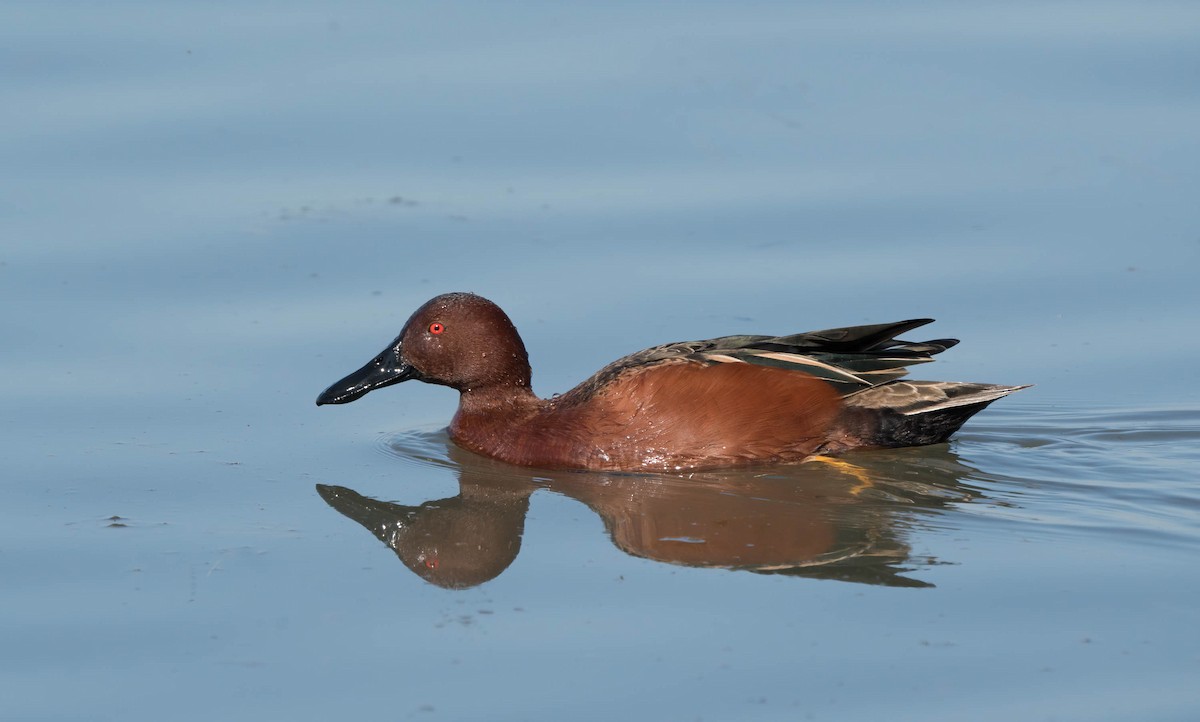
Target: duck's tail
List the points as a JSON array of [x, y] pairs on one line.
[[910, 413]]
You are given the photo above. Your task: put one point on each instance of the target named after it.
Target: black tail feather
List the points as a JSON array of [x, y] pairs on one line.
[[912, 413]]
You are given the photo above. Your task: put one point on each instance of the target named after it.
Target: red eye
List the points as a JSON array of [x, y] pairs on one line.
[[436, 328]]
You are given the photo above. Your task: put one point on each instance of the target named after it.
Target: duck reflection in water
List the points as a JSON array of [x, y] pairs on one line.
[[813, 520]]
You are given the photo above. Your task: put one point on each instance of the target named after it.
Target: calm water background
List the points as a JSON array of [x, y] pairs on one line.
[[209, 212]]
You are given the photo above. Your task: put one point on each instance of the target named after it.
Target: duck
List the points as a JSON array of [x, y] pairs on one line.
[[731, 401]]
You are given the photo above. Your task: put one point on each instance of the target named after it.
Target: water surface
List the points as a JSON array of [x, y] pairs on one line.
[[209, 213]]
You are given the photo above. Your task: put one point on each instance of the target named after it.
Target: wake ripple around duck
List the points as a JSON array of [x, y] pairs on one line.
[[1071, 471], [1046, 469], [425, 447]]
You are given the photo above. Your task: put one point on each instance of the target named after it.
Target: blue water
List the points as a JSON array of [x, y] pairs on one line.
[[209, 212]]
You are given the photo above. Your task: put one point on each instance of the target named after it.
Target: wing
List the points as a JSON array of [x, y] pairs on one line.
[[850, 359]]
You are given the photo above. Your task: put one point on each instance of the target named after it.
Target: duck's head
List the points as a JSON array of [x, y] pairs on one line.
[[457, 339]]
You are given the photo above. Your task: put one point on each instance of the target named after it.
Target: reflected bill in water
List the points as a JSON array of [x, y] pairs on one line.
[[846, 521]]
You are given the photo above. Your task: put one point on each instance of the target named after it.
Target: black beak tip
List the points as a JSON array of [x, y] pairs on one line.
[[336, 395]]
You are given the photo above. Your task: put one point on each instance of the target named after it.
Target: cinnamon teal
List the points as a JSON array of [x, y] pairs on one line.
[[729, 401]]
